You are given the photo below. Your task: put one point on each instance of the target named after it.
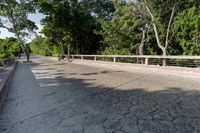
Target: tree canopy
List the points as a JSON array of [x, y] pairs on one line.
[[9, 47], [14, 18], [150, 27]]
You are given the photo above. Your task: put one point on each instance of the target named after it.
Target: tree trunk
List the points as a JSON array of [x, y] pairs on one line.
[[27, 55], [164, 60], [24, 49], [163, 48], [62, 50], [17, 34], [169, 26], [167, 35], [77, 48], [141, 47]]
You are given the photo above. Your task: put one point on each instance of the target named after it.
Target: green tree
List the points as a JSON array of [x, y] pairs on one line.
[[41, 46], [186, 26], [9, 47], [79, 19], [56, 21], [162, 14], [13, 15], [122, 33], [144, 25]]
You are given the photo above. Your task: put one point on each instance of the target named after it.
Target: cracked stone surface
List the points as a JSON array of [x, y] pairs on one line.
[[47, 96]]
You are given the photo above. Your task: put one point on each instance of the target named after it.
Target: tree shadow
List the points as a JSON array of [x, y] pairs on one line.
[[168, 110], [101, 72], [135, 110]]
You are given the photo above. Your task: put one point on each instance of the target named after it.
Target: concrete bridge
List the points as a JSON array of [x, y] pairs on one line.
[[47, 96]]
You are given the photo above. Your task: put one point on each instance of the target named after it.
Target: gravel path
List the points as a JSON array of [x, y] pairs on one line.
[[53, 97]]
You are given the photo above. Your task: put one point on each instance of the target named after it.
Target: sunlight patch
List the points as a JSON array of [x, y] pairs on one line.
[[52, 84]]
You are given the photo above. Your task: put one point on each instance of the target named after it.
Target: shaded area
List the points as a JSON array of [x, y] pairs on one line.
[[101, 72], [81, 99]]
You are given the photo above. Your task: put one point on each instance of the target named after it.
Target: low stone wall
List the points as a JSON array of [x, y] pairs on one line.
[[5, 79]]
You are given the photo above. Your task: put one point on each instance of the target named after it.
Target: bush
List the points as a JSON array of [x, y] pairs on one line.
[[9, 47]]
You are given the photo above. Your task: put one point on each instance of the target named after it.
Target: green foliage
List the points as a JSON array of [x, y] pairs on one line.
[[9, 47], [186, 26], [41, 46], [56, 51], [14, 18], [79, 19], [122, 33], [162, 14], [115, 27]]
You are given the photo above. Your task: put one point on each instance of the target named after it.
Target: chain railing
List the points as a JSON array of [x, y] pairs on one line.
[[183, 61]]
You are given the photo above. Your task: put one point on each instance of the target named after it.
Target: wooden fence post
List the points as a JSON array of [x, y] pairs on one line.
[[164, 60], [146, 61], [114, 59]]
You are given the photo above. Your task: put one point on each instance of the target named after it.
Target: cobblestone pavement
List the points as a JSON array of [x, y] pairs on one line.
[[53, 97]]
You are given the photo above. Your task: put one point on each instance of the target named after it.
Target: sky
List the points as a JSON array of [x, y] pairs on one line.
[[34, 17]]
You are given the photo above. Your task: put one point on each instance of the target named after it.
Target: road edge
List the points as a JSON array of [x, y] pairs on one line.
[[6, 84]]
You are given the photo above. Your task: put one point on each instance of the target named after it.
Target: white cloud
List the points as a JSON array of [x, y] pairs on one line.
[[40, 27], [4, 33], [32, 36]]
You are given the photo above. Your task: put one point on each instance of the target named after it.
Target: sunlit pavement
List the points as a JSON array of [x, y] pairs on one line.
[[54, 97]]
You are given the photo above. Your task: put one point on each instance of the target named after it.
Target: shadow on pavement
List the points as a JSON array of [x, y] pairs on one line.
[[111, 110]]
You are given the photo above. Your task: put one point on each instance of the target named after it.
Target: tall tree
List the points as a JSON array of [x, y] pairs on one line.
[[140, 13], [121, 34], [78, 18], [56, 21], [162, 14], [14, 18]]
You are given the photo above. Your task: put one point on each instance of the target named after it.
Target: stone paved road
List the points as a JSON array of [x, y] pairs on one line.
[[53, 97]]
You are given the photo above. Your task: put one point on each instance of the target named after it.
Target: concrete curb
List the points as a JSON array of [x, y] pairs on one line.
[[5, 85]]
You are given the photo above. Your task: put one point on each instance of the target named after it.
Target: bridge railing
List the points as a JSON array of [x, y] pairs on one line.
[[183, 61], [6, 61]]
